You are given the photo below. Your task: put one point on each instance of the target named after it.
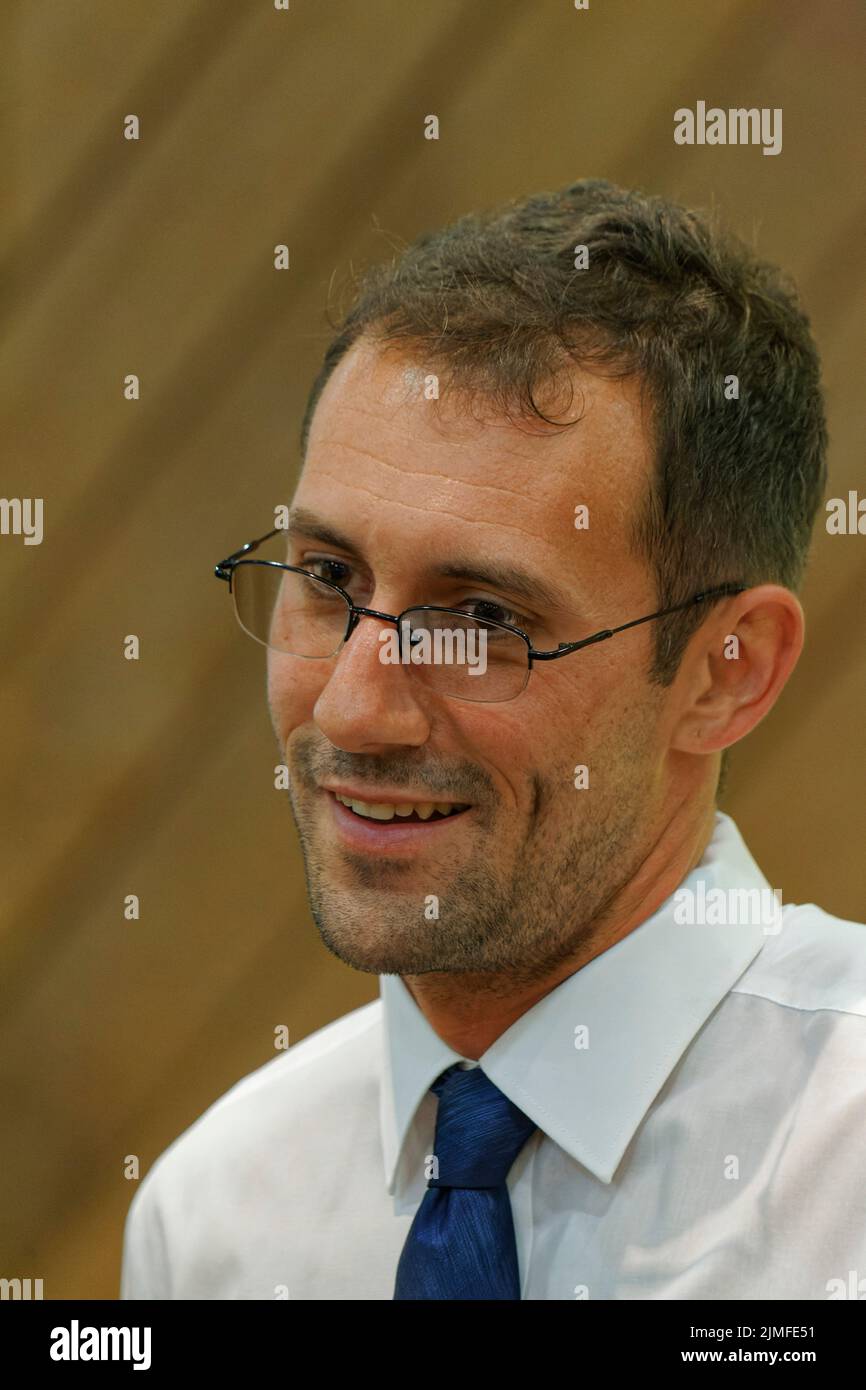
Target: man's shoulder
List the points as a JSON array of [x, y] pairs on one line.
[[289, 1116], [332, 1055], [336, 1060], [811, 961]]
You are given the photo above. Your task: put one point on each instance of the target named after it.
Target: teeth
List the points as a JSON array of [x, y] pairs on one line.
[[381, 812], [385, 811]]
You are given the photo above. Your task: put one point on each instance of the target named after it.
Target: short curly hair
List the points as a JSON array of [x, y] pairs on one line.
[[505, 301]]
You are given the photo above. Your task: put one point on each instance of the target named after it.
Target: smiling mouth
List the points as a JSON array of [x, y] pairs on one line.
[[386, 813]]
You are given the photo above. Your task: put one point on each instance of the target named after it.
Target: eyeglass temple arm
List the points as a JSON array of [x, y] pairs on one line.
[[565, 647], [224, 569]]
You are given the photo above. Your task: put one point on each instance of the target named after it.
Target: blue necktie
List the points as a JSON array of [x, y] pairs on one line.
[[461, 1243]]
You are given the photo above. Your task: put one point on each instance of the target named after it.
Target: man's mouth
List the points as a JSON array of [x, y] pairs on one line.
[[402, 814], [398, 829]]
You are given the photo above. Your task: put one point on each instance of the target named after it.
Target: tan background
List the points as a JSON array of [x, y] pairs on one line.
[[155, 777]]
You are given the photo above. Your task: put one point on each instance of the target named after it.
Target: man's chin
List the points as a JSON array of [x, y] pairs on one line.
[[362, 946], [372, 960]]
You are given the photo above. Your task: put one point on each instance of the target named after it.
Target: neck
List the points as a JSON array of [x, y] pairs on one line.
[[470, 1011]]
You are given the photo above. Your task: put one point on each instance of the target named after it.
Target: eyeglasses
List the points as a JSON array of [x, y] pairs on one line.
[[292, 611]]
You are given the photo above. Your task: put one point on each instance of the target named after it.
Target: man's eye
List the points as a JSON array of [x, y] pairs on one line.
[[335, 571], [485, 610]]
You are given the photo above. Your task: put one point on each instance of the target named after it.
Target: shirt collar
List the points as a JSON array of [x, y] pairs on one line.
[[643, 1000]]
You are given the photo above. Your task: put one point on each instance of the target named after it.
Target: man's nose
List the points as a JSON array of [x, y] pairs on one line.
[[368, 703]]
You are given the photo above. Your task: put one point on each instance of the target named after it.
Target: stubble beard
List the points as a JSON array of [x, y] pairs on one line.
[[513, 916]]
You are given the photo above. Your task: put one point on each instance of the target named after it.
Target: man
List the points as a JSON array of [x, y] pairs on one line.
[[605, 1064]]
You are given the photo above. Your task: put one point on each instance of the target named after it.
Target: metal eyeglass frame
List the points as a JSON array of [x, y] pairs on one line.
[[225, 569]]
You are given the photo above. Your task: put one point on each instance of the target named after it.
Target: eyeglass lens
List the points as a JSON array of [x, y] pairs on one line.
[[454, 655]]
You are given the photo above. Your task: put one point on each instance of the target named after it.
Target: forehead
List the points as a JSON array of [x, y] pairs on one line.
[[429, 471]]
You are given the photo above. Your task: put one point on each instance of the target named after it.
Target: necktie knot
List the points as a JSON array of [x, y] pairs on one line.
[[479, 1131], [462, 1243]]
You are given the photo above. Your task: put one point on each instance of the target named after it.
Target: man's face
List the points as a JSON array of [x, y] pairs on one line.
[[514, 883]]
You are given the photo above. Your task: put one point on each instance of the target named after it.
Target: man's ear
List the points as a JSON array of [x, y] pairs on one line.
[[736, 666]]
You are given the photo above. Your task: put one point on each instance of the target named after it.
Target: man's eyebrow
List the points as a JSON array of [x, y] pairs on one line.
[[508, 577], [303, 522], [512, 578]]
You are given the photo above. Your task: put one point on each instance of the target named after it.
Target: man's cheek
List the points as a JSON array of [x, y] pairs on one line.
[[275, 707], [288, 702]]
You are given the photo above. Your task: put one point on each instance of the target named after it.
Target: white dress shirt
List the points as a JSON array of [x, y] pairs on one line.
[[700, 1097]]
